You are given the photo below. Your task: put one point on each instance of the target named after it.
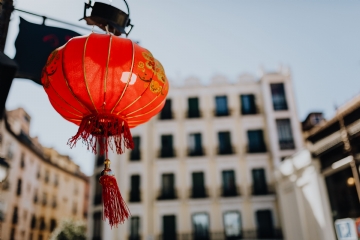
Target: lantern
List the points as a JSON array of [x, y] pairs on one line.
[[106, 85]]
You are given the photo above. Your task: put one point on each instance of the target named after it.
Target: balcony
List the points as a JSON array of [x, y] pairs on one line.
[[98, 199], [250, 234], [222, 113], [135, 155], [135, 196], [287, 144], [168, 194], [256, 148], [196, 152], [228, 150], [166, 115], [230, 192], [193, 114], [263, 191], [134, 238], [167, 153], [198, 192]]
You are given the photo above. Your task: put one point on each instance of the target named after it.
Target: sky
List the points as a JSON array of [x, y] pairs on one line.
[[318, 39]]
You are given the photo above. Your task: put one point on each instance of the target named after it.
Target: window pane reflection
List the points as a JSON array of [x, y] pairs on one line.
[[232, 224]]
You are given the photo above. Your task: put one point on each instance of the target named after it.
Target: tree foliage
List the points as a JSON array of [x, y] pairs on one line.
[[69, 230]]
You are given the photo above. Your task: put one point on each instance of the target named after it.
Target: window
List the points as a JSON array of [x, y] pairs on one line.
[[98, 191], [232, 225], [56, 180], [15, 216], [44, 200], [52, 225], [12, 234], [74, 208], [198, 186], [36, 196], [286, 140], [169, 227], [193, 108], [278, 96], [54, 203], [42, 223], [134, 228], [22, 161], [221, 106], [201, 226], [167, 186], [33, 222], [229, 184], [46, 176], [248, 105], [100, 160], [166, 111], [19, 186], [167, 146], [135, 188], [97, 227], [256, 141], [38, 173], [224, 143], [135, 153], [265, 226], [195, 146], [259, 182]]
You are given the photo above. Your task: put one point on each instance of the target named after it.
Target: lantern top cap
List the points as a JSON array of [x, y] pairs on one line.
[[104, 15]]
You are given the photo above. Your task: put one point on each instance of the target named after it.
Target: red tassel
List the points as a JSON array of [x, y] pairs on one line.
[[114, 206], [104, 129]]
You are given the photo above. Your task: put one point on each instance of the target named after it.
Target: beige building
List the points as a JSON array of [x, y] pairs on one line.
[[43, 187], [203, 168]]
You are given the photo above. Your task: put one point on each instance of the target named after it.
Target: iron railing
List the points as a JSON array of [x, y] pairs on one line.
[[276, 234]]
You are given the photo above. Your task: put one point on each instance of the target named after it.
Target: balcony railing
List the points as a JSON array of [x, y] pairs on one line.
[[266, 190], [286, 144], [230, 192], [166, 115], [196, 152], [193, 114], [222, 113], [167, 153], [226, 151], [135, 155], [98, 199], [256, 148], [169, 194], [135, 196], [198, 192], [135, 237], [276, 234]]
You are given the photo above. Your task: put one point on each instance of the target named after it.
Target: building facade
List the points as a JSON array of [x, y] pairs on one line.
[[203, 168], [43, 186], [318, 184]]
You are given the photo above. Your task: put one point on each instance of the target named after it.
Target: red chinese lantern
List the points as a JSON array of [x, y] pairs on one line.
[[106, 85]]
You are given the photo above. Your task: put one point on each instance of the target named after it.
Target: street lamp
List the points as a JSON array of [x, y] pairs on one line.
[[4, 170]]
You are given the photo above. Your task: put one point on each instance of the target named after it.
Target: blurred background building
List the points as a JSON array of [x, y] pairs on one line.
[[43, 187], [318, 185], [203, 169]]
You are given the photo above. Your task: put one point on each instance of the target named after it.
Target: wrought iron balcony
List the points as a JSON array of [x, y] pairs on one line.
[[198, 192], [287, 144], [167, 194], [166, 115], [230, 192], [261, 148], [263, 191], [196, 152], [222, 113], [193, 114], [251, 234], [228, 150], [135, 196], [167, 153]]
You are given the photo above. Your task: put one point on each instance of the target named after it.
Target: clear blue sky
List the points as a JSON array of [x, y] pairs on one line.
[[318, 39]]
